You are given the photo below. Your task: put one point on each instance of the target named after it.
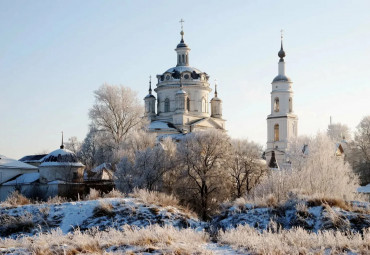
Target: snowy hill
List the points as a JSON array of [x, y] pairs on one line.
[[134, 225], [101, 213], [312, 215]]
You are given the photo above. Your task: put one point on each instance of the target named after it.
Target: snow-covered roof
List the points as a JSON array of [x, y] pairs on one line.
[[24, 179], [61, 157], [33, 158], [9, 163], [161, 125], [183, 69], [99, 168]]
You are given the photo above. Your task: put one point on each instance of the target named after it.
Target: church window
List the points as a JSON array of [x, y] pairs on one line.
[[204, 105], [183, 59], [166, 105], [276, 132], [276, 104], [179, 59], [186, 76], [290, 104], [187, 61], [188, 104]]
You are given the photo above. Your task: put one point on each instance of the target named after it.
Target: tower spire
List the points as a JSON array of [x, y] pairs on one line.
[[215, 88], [150, 84], [62, 146]]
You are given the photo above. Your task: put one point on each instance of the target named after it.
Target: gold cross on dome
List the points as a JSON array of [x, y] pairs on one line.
[[182, 21]]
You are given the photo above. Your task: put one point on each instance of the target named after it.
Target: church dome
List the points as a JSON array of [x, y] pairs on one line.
[[60, 157], [282, 77], [182, 69]]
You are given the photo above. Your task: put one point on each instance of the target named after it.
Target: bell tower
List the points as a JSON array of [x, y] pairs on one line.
[[282, 123]]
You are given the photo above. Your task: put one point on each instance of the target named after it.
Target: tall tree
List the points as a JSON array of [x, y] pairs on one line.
[[245, 166], [116, 111], [203, 156], [339, 132], [359, 155]]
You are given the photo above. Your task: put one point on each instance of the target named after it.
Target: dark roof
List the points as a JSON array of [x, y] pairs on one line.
[[32, 157], [281, 78]]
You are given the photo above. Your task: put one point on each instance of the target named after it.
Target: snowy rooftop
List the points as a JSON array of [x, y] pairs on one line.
[[9, 163], [61, 157], [33, 158], [99, 168], [24, 179], [156, 125], [183, 69]]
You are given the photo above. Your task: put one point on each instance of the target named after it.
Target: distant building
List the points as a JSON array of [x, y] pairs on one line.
[[11, 168], [182, 99], [34, 160], [61, 165], [282, 123]]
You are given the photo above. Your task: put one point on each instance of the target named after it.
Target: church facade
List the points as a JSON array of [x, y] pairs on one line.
[[282, 123], [182, 104]]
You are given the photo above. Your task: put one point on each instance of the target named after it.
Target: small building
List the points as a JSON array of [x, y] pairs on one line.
[[11, 168], [61, 165]]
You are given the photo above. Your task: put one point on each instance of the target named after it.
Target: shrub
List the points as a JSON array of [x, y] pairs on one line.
[[13, 224], [154, 197], [56, 200], [103, 209], [93, 194], [16, 199], [114, 193]]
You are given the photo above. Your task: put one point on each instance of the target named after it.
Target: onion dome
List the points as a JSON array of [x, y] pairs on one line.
[[281, 53]]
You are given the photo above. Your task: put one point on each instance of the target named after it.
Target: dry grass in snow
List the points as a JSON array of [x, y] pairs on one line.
[[295, 241], [154, 197], [15, 199], [163, 240]]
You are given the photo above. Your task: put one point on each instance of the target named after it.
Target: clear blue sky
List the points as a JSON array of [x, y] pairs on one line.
[[54, 54]]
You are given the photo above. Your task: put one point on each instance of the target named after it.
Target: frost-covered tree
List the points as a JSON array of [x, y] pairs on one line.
[[316, 170], [147, 169], [73, 145], [245, 166], [116, 111], [359, 154], [203, 157], [338, 132]]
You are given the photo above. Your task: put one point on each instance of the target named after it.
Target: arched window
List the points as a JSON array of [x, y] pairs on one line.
[[187, 60], [166, 105], [183, 59], [276, 104], [188, 104], [290, 104], [179, 59], [204, 105], [276, 132]]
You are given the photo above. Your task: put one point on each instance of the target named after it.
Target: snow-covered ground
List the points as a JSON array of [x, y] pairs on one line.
[[119, 225]]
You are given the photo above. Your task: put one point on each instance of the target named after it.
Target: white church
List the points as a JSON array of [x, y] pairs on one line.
[[182, 104], [282, 123]]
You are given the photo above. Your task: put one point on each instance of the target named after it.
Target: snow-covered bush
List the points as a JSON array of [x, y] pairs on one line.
[[316, 171], [154, 197], [15, 199], [295, 241], [114, 193], [93, 194]]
